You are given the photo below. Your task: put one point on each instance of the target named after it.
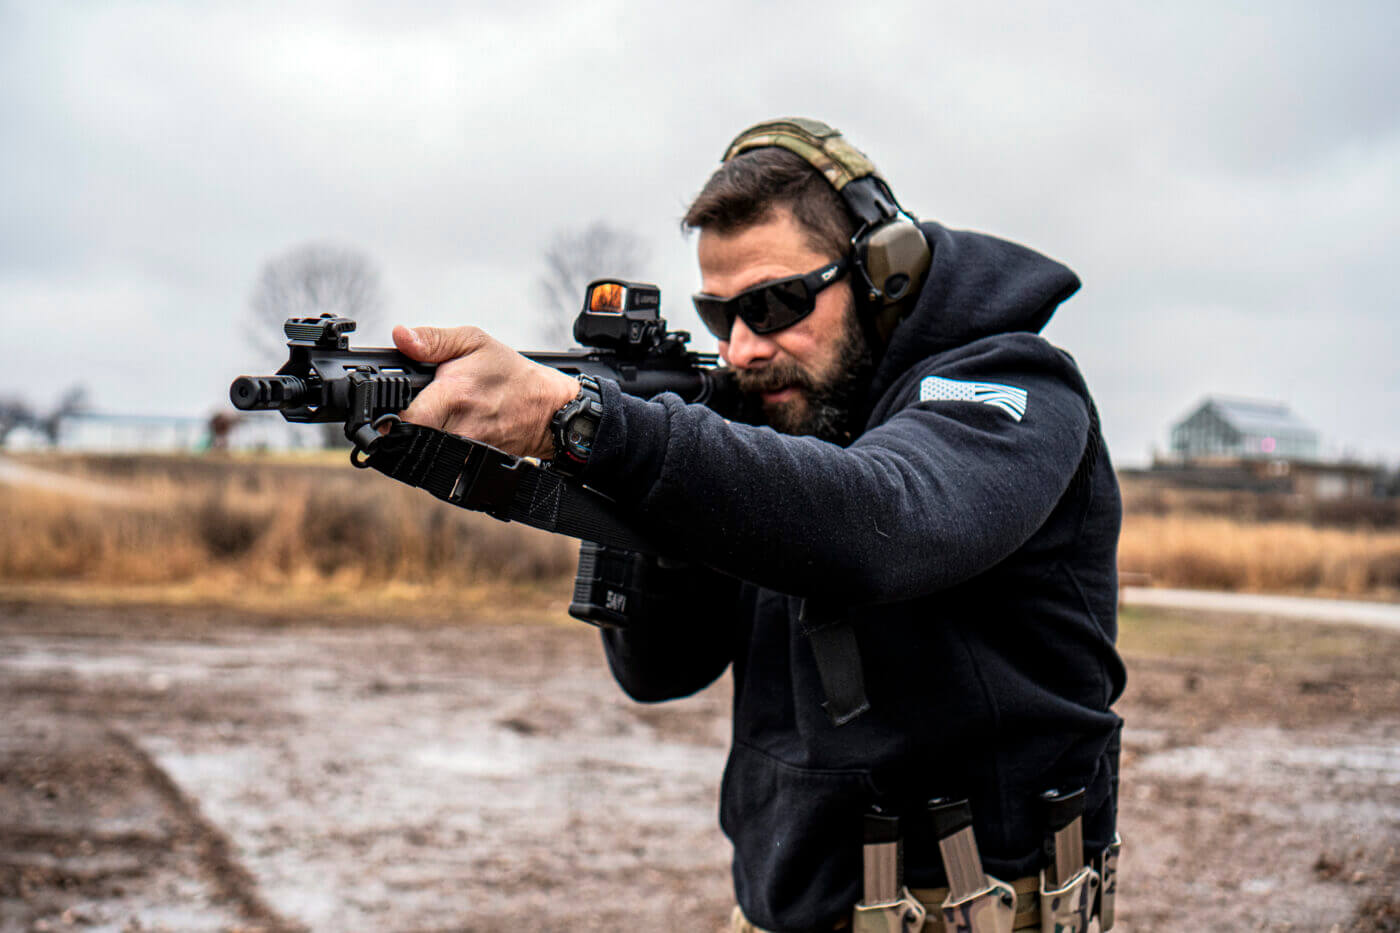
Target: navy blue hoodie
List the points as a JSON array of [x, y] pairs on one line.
[[974, 523]]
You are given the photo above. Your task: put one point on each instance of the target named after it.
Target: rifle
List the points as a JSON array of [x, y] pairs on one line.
[[623, 338], [622, 334]]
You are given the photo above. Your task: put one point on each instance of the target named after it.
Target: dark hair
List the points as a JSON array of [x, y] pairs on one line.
[[747, 189]]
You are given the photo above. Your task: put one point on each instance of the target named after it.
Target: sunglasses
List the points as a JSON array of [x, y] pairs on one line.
[[768, 307]]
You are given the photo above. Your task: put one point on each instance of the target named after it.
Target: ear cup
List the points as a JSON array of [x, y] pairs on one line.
[[895, 258]]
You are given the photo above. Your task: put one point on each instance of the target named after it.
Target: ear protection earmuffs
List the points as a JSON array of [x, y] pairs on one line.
[[889, 254]]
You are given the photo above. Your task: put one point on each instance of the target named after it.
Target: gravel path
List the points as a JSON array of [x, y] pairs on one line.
[[1349, 612]]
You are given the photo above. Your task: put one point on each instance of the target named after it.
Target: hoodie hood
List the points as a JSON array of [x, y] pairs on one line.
[[977, 286]]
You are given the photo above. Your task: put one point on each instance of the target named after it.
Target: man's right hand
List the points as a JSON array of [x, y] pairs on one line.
[[484, 390]]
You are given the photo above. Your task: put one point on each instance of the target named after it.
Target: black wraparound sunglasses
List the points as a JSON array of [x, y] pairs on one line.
[[771, 306]]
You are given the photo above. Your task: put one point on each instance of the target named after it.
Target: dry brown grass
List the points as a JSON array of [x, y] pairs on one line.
[[1200, 551], [221, 526], [1265, 543], [267, 532]]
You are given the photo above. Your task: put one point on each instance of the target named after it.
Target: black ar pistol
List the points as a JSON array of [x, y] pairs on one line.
[[622, 334], [624, 339]]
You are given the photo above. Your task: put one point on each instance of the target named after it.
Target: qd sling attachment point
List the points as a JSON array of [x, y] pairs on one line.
[[887, 905], [1068, 887], [976, 902]]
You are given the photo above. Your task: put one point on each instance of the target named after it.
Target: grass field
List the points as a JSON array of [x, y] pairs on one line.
[[268, 533], [1206, 552], [1260, 543], [263, 534]]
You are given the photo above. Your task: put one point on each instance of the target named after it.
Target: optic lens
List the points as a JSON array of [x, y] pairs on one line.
[[606, 297]]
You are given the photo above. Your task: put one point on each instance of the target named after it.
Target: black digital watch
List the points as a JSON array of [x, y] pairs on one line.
[[574, 427]]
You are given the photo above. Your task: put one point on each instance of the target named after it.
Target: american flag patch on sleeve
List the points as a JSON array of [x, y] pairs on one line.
[[1008, 398]]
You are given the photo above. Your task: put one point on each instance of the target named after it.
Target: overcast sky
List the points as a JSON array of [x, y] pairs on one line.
[[1225, 178]]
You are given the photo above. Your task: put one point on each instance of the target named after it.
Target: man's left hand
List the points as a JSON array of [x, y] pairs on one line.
[[484, 390]]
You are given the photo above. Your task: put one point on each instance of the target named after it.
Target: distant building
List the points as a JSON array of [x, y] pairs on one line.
[[1332, 480], [1229, 429], [1231, 443]]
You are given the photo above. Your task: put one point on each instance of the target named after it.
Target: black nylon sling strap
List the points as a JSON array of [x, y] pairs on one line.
[[837, 653], [481, 478]]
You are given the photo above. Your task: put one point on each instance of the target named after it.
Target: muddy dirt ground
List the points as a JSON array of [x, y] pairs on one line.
[[196, 771]]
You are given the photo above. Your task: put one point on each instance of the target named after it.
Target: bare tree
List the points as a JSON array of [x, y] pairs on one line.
[[73, 402], [14, 413], [17, 413], [572, 260], [307, 281]]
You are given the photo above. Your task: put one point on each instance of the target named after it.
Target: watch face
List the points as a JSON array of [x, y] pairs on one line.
[[575, 426], [579, 433]]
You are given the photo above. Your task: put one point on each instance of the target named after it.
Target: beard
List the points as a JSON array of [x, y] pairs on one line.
[[825, 403]]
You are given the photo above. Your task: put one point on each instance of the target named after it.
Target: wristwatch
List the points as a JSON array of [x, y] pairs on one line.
[[575, 425]]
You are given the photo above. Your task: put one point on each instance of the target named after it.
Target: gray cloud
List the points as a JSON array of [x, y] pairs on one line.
[[1223, 179]]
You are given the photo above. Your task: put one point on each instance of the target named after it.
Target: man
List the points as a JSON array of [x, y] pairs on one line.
[[910, 566]]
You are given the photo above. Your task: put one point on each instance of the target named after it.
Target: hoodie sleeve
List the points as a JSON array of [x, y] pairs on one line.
[[981, 445]]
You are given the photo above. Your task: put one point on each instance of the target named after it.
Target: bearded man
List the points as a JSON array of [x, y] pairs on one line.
[[909, 566]]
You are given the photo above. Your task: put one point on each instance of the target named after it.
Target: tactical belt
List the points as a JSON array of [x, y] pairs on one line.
[[1027, 907], [1027, 902]]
